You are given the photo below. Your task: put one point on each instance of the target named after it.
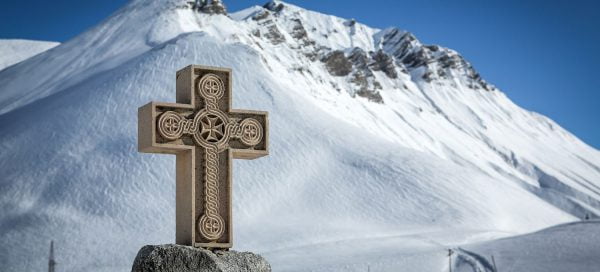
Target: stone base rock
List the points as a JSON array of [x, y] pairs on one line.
[[178, 258]]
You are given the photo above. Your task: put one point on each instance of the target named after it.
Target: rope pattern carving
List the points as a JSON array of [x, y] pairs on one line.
[[211, 224], [189, 126], [249, 131], [211, 103], [235, 130]]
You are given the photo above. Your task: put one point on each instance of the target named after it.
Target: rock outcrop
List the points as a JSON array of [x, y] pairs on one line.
[[210, 6], [337, 64], [178, 258]]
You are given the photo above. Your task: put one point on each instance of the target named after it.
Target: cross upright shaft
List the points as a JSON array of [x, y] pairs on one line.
[[205, 134]]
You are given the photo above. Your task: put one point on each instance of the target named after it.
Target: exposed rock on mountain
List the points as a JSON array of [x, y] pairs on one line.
[[275, 6], [381, 61], [210, 6], [337, 64]]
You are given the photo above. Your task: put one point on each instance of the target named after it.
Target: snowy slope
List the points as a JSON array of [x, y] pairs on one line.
[[564, 248], [14, 51], [407, 144]]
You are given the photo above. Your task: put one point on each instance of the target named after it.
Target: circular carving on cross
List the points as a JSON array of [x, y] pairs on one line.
[[211, 227], [211, 86], [212, 128], [252, 132], [169, 125]]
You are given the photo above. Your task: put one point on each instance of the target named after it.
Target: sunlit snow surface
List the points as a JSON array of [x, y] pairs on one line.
[[564, 248], [14, 51], [435, 166]]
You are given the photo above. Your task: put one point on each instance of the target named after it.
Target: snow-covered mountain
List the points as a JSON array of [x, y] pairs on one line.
[[377, 140], [14, 51]]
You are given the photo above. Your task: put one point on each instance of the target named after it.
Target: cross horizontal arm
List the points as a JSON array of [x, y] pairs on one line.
[[149, 141], [258, 130]]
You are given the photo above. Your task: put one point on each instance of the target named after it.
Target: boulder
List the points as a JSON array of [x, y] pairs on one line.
[[178, 258]]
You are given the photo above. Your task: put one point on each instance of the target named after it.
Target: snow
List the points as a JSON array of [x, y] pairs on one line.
[[569, 247], [14, 50], [349, 183]]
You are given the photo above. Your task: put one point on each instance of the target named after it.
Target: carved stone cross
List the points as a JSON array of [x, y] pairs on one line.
[[206, 135]]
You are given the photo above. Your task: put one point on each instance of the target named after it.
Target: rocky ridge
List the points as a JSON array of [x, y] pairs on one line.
[[393, 52], [209, 6]]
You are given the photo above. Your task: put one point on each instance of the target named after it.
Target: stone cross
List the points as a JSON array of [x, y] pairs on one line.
[[206, 135]]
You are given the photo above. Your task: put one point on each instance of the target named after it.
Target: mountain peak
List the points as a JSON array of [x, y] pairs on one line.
[[210, 6], [274, 5]]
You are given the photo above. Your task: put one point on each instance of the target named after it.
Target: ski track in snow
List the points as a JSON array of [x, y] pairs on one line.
[[564, 248]]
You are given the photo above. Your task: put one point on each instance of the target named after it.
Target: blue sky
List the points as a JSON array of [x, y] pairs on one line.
[[542, 54]]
